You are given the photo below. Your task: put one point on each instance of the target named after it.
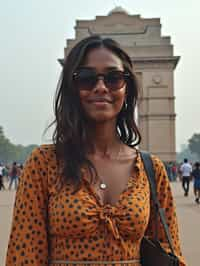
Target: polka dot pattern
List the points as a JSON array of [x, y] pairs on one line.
[[51, 223]]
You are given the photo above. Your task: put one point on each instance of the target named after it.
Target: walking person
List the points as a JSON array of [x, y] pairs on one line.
[[14, 175], [85, 200], [6, 173], [186, 170], [2, 187], [196, 175], [174, 171]]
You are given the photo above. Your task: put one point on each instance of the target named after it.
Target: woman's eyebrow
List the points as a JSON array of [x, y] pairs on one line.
[[106, 68], [109, 68], [113, 68]]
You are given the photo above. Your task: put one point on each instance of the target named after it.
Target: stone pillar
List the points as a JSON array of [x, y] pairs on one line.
[[156, 107]]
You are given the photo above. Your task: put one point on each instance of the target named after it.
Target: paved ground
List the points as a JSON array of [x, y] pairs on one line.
[[6, 204], [189, 221], [188, 216]]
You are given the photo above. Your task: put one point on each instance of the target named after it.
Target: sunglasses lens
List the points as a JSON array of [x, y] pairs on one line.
[[115, 80], [85, 79]]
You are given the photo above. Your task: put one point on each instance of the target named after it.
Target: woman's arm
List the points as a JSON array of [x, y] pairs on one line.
[[165, 198], [28, 243]]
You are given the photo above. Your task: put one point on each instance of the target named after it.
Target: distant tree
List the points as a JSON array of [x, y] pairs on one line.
[[194, 144], [186, 153], [6, 148], [10, 152]]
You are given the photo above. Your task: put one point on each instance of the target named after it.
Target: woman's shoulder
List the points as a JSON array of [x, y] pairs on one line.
[[159, 169], [39, 161], [44, 152], [161, 175], [157, 162]]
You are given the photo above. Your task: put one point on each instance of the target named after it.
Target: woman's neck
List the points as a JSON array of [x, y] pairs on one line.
[[103, 139]]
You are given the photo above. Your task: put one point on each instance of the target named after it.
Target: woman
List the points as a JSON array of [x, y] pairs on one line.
[[196, 175], [86, 199]]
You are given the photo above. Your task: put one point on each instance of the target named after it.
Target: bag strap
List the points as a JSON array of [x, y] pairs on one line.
[[148, 166]]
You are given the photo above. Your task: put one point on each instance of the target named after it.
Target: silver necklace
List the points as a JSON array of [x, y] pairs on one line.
[[102, 184]]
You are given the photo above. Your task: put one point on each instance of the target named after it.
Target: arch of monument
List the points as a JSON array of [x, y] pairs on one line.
[[154, 63]]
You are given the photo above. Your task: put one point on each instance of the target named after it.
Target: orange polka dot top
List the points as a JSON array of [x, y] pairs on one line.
[[52, 225]]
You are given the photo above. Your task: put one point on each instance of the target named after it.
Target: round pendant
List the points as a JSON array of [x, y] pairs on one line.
[[102, 186]]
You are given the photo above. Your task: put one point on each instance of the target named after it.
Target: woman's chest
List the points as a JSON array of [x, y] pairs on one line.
[[81, 214], [112, 180]]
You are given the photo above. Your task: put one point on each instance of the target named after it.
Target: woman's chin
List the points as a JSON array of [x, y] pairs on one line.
[[100, 118]]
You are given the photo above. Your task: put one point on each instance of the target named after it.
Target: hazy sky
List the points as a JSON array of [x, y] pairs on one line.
[[33, 35]]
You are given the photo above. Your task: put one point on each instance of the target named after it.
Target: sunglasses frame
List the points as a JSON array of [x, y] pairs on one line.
[[102, 76]]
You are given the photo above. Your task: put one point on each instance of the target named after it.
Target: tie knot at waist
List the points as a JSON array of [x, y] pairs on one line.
[[107, 212]]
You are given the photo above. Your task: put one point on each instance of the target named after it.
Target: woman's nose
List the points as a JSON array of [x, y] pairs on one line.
[[100, 85]]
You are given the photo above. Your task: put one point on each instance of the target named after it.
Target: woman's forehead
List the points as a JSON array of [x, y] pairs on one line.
[[102, 58]]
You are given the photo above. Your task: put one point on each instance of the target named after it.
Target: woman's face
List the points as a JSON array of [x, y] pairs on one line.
[[101, 103]]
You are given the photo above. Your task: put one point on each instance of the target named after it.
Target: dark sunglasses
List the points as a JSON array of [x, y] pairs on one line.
[[86, 79]]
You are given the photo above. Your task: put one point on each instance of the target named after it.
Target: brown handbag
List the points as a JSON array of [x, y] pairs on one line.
[[151, 251]]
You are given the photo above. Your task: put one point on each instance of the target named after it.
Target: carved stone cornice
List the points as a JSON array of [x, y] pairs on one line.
[[155, 62]]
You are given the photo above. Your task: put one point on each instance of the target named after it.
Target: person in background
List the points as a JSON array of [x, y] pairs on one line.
[[6, 173], [20, 169], [168, 170], [85, 199], [174, 171], [14, 175], [185, 171], [196, 175], [2, 187]]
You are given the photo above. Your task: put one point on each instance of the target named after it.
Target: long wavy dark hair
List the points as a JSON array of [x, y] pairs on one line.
[[70, 136]]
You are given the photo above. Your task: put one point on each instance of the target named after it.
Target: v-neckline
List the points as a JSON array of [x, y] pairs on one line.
[[118, 198]]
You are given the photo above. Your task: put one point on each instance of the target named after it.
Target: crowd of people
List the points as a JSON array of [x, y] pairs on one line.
[[186, 172], [9, 174]]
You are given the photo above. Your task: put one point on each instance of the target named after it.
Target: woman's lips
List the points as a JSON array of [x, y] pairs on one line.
[[100, 100], [100, 103]]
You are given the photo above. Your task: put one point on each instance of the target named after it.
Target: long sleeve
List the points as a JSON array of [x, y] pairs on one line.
[[165, 198], [28, 243]]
